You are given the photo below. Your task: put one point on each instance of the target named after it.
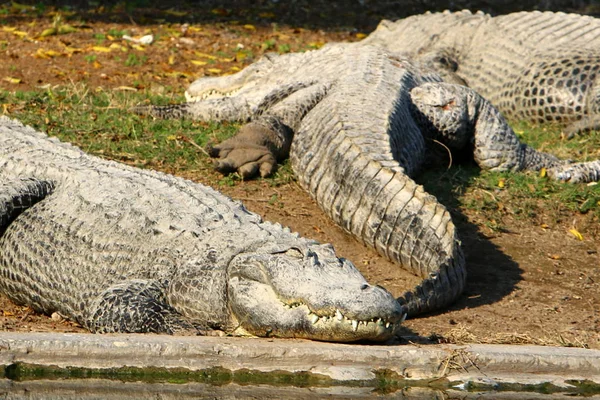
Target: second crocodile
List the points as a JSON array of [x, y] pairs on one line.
[[355, 137]]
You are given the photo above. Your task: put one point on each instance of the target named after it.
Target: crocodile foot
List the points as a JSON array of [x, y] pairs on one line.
[[254, 150]]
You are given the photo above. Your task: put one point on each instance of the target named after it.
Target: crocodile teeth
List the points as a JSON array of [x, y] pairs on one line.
[[387, 325], [339, 315], [403, 317], [354, 325], [314, 318]]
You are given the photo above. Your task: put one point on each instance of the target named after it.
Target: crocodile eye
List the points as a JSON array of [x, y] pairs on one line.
[[295, 252]]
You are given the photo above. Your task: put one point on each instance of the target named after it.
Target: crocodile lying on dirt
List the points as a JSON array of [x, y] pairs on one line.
[[355, 140], [120, 249], [536, 66]]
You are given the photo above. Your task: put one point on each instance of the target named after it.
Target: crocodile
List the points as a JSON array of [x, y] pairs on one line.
[[356, 138], [121, 249], [536, 66]]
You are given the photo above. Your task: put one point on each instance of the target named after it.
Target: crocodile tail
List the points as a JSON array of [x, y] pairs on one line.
[[368, 194], [173, 111]]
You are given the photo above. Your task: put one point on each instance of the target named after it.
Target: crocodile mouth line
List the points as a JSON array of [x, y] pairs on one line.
[[339, 317], [210, 94]]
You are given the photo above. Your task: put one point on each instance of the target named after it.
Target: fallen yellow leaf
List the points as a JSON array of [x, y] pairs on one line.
[[543, 173], [171, 60], [227, 59], [576, 233], [96, 64], [175, 13], [250, 27], [20, 34], [101, 49], [501, 183], [198, 62], [49, 32], [266, 15], [194, 29], [117, 46], [360, 35], [66, 28], [72, 50], [171, 137], [9, 28], [138, 47], [214, 70], [204, 55], [240, 56], [126, 88], [12, 80], [41, 53]]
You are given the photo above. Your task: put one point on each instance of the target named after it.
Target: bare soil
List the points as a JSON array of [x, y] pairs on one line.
[[530, 283]]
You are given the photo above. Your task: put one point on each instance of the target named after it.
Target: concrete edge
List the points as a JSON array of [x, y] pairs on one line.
[[343, 363]]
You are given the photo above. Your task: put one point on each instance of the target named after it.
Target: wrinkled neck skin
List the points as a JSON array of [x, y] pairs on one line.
[[283, 286], [458, 114]]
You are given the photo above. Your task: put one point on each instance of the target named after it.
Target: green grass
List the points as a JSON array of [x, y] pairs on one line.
[[99, 122], [523, 195]]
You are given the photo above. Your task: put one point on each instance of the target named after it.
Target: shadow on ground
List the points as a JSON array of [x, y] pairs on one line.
[[362, 15]]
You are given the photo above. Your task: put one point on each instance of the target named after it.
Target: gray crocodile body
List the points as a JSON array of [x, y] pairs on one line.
[[536, 66], [355, 139], [120, 249]]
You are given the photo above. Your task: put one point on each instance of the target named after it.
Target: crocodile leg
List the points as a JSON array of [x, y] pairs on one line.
[[262, 143], [136, 306], [18, 195], [456, 112]]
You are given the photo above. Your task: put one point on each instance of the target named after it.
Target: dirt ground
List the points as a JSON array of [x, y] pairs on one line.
[[532, 283]]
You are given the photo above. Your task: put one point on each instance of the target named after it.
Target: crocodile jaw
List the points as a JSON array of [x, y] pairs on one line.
[[259, 312], [317, 297]]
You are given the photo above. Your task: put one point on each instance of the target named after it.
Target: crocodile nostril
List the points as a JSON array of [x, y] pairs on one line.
[[364, 287]]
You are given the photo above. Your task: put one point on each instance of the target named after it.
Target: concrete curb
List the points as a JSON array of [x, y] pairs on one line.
[[343, 363]]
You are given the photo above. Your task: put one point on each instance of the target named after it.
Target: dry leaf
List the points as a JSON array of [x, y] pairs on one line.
[[12, 80], [501, 183], [198, 62], [117, 46], [543, 173], [49, 32], [250, 27], [576, 233], [126, 88], [171, 60], [204, 55], [361, 35], [20, 34], [66, 28], [41, 53], [101, 49], [175, 13], [214, 70], [240, 56], [266, 15], [138, 47]]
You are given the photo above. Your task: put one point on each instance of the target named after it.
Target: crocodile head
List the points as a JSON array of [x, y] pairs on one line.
[[306, 291], [226, 86]]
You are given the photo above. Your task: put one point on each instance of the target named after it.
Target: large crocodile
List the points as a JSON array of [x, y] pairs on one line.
[[537, 66], [355, 139], [120, 249]]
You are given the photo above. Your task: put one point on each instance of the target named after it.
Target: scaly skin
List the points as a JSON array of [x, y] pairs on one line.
[[354, 148], [357, 138], [532, 66], [120, 249]]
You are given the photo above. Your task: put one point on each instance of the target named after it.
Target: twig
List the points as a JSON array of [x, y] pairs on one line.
[[447, 149]]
